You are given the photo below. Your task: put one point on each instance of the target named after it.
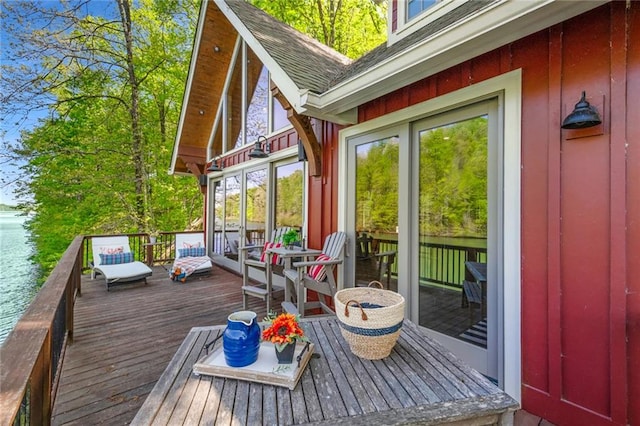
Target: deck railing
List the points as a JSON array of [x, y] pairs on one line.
[[32, 352], [163, 251], [440, 263]]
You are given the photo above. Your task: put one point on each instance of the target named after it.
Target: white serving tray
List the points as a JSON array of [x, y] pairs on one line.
[[265, 370]]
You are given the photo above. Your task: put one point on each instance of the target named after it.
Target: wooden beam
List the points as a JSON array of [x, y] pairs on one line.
[[194, 169], [302, 124]]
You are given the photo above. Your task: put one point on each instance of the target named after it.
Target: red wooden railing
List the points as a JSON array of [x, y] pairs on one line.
[[32, 352]]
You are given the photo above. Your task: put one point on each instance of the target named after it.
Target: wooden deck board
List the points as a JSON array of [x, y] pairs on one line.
[[325, 391], [125, 338]]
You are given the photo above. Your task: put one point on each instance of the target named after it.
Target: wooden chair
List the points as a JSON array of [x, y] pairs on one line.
[[317, 275], [371, 263], [264, 290]]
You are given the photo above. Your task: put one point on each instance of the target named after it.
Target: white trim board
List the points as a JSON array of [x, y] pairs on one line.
[[510, 86]]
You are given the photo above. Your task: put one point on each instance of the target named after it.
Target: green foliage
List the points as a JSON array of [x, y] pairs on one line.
[[452, 183], [89, 174], [290, 237], [351, 27]]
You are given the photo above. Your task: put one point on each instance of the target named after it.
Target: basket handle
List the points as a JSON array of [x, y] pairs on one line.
[[346, 309], [378, 283]]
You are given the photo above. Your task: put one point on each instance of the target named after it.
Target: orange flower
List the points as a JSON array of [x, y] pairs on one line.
[[284, 329]]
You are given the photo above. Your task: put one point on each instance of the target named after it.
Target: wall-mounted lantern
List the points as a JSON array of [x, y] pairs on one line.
[[582, 116], [215, 166], [257, 149], [302, 154]]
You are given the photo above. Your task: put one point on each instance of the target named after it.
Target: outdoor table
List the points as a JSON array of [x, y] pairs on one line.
[[419, 382], [288, 255]]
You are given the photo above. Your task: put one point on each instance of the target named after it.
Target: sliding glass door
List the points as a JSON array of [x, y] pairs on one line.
[[427, 194], [455, 177]]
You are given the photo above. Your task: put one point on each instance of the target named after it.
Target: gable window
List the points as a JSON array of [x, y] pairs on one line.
[[416, 7], [247, 108], [409, 16], [257, 90]]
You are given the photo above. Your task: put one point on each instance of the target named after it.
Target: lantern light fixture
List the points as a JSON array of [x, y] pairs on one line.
[[215, 166], [582, 116], [257, 151]]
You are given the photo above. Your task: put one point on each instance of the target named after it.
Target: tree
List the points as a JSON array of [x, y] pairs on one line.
[[352, 27], [110, 76]]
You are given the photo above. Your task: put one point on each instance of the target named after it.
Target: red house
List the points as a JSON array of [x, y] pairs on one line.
[[449, 145]]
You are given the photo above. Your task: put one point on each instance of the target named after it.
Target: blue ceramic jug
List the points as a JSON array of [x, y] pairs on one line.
[[241, 339]]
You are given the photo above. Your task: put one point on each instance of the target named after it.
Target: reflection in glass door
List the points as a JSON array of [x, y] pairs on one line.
[[376, 211], [456, 293], [289, 197], [255, 211], [231, 224]]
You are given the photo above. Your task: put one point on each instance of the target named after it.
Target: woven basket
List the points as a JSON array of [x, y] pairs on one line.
[[370, 319]]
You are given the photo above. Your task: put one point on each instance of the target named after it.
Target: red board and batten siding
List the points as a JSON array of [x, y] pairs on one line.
[[580, 211]]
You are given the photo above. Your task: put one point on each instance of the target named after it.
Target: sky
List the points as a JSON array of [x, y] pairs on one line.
[[10, 130]]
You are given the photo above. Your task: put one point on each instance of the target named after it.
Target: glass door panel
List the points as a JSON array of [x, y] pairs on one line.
[[289, 197], [218, 217], [452, 214], [256, 206], [232, 224], [454, 243], [376, 211]]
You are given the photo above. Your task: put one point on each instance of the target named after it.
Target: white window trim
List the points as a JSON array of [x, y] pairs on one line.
[[510, 85], [406, 26]]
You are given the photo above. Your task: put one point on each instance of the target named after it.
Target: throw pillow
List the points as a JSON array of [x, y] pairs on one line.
[[192, 252], [116, 258], [112, 249], [193, 244], [275, 258], [319, 272]]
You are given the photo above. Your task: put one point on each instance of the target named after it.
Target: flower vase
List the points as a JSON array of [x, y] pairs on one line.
[[285, 356]]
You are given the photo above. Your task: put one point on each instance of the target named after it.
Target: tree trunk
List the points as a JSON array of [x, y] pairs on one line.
[[136, 132]]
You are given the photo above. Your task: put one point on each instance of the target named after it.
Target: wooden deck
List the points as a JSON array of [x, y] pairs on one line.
[[124, 339]]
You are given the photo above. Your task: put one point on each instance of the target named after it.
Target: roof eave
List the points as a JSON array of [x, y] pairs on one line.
[[503, 23], [187, 90]]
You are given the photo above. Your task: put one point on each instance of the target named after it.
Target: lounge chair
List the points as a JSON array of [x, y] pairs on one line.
[[317, 275], [112, 257], [191, 256], [233, 247], [257, 259]]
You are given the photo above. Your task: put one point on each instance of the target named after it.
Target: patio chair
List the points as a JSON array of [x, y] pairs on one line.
[[233, 246], [264, 290], [371, 264], [317, 275], [191, 256], [112, 258]]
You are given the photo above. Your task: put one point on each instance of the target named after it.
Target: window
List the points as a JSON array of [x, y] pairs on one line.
[[289, 197], [257, 115], [416, 7], [247, 109]]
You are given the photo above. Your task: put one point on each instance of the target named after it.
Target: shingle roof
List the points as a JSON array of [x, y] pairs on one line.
[[314, 66], [308, 63], [384, 52]]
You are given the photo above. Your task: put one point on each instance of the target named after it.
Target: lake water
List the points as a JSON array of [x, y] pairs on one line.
[[18, 276]]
